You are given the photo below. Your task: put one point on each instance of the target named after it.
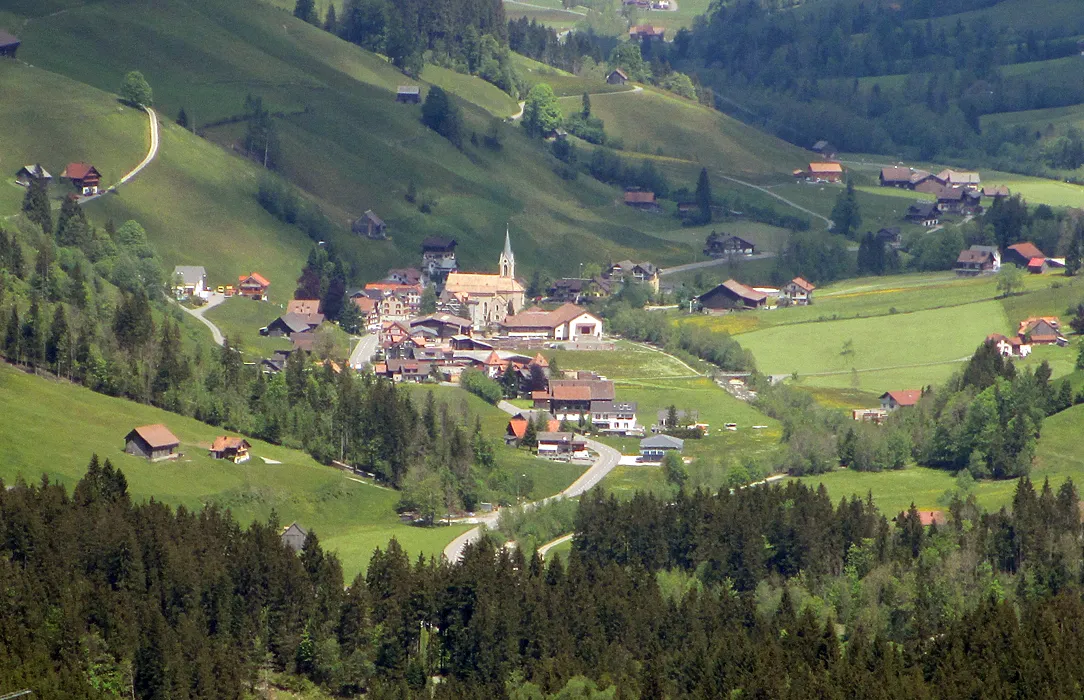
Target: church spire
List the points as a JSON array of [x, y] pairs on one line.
[[507, 262]]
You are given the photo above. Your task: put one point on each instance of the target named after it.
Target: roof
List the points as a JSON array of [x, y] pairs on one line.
[[825, 168], [444, 319], [929, 517], [376, 220], [298, 322], [549, 436], [304, 307], [639, 198], [613, 406], [906, 397], [190, 273], [619, 72], [79, 171], [365, 304], [480, 283], [544, 319], [294, 536], [896, 173], [803, 284], [1037, 262], [303, 341], [540, 360], [923, 209], [740, 290], [580, 390], [662, 441], [991, 249], [438, 243], [646, 29], [959, 177], [974, 256], [1027, 249], [999, 191], [34, 170], [517, 425], [228, 442], [1030, 325], [156, 435], [408, 90], [255, 277], [663, 413], [411, 274], [7, 39]]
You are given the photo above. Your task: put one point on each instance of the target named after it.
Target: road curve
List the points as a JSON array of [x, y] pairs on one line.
[[152, 153], [544, 549], [214, 301]]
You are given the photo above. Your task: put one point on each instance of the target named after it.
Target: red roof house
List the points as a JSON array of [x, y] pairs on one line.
[[1021, 254], [891, 400], [254, 285], [84, 177]]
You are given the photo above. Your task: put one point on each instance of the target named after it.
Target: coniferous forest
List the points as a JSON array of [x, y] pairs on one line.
[[770, 592]]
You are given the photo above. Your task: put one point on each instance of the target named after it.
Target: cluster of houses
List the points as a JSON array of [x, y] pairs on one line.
[[987, 260], [956, 192], [84, 178], [1037, 330], [190, 282], [157, 443], [735, 296]]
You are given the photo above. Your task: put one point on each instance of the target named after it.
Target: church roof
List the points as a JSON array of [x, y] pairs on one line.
[[481, 284]]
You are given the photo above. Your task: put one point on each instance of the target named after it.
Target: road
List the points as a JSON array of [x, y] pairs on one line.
[[363, 352], [543, 7], [712, 263], [544, 549], [214, 300], [152, 153]]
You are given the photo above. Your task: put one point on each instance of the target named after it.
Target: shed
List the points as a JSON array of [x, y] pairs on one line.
[[154, 442], [652, 449], [733, 295], [371, 226], [410, 94], [617, 77], [294, 536]]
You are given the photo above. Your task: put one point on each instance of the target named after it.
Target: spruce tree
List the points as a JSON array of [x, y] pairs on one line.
[[36, 204], [13, 336], [305, 10], [331, 23], [182, 118], [586, 111], [846, 217], [703, 196]]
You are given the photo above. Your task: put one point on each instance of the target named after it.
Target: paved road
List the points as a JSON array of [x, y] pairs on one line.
[[544, 549], [212, 302], [363, 352], [152, 153], [712, 263], [517, 115], [543, 7]]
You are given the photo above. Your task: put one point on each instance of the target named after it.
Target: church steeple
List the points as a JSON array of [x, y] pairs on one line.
[[507, 262]]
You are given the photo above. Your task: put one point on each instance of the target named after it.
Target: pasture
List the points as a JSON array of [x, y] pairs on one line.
[[240, 320]]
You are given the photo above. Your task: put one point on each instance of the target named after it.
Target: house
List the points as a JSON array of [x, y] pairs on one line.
[[438, 256], [404, 275], [617, 77], [959, 178], [826, 172], [289, 324], [83, 176], [443, 325], [561, 446], [575, 289], [568, 399], [276, 363], [8, 45], [155, 442], [368, 309], [958, 200], [929, 185], [643, 273], [1037, 266], [923, 213], [254, 285], [1042, 330], [1021, 254], [891, 400], [896, 176], [641, 200], [567, 322], [409, 94], [32, 172], [294, 537], [516, 429], [732, 295], [371, 226], [1009, 347], [305, 307], [643, 32], [234, 449], [654, 448], [869, 415], [978, 260], [798, 291], [663, 414], [890, 236], [617, 417], [720, 246], [190, 281], [998, 192]]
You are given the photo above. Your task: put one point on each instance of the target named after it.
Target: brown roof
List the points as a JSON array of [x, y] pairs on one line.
[[540, 360], [366, 304], [1027, 250], [227, 442], [907, 397], [79, 171], [157, 435], [825, 168], [536, 318], [619, 72], [255, 277], [571, 393], [639, 198], [744, 292], [799, 282], [305, 307], [999, 191], [974, 256], [580, 390], [896, 174]]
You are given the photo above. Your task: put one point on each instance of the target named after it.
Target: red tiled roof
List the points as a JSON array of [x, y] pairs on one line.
[[1036, 262], [255, 277], [366, 304], [517, 425], [929, 517], [907, 397], [79, 171], [305, 307], [807, 286], [1027, 250]]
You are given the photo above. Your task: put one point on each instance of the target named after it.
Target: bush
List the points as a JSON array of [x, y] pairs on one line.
[[482, 386]]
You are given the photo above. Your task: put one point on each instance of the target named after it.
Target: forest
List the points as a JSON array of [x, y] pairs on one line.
[[768, 592]]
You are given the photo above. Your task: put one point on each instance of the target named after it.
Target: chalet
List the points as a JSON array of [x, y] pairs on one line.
[[443, 325], [568, 399], [154, 442], [896, 176], [642, 32], [291, 323], [234, 449], [958, 200], [438, 256], [561, 446], [409, 94], [721, 246], [369, 312], [890, 236], [404, 275], [568, 322], [371, 226], [641, 200], [189, 281], [891, 400], [575, 290], [84, 177], [732, 295], [305, 307], [409, 294], [254, 285], [32, 172], [617, 77], [998, 192], [654, 448], [826, 172], [1009, 347], [294, 536], [617, 417], [798, 291], [642, 273], [959, 178], [930, 185], [8, 45], [393, 333], [1042, 330], [276, 363], [923, 213], [1021, 254], [978, 260]]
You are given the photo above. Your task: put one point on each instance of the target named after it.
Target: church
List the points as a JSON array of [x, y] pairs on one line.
[[486, 299]]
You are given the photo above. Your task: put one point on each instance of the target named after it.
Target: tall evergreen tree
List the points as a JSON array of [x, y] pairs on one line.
[[703, 196], [305, 10], [182, 118], [36, 204], [846, 217], [331, 23]]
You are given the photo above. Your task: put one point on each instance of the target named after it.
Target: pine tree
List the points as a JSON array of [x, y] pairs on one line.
[[58, 341], [846, 217], [331, 23], [530, 435], [703, 196], [13, 336], [586, 111], [305, 10], [182, 118], [36, 204]]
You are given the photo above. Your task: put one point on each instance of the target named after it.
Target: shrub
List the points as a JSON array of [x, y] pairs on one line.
[[480, 385]]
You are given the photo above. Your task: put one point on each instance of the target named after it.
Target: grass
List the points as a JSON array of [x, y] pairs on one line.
[[52, 428], [240, 319], [486, 95], [564, 84]]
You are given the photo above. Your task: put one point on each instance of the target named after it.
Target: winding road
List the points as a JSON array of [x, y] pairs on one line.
[[152, 153], [212, 302]]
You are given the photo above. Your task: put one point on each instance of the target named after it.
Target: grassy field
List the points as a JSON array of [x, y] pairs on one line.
[[486, 95], [53, 427], [240, 319], [562, 82]]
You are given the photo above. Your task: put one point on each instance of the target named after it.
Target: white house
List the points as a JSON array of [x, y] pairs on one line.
[[567, 322], [615, 417], [799, 291], [562, 446], [891, 400], [190, 281]]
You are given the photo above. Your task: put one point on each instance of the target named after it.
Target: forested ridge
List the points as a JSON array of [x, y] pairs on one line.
[[767, 592]]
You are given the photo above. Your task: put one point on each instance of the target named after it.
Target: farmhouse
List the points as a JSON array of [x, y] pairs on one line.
[[654, 448], [924, 213], [254, 285], [799, 291], [929, 185], [1009, 347], [567, 322], [1021, 254], [617, 77], [998, 192], [83, 176], [615, 417], [646, 31], [576, 289], [234, 449], [978, 260], [294, 537], [371, 226], [189, 281], [305, 307], [32, 172], [438, 256], [410, 94], [890, 236], [891, 400], [896, 176], [827, 172], [1042, 330], [486, 299], [958, 200], [8, 44], [733, 295], [561, 446], [292, 323], [568, 399], [155, 442], [642, 273], [959, 178], [719, 246], [642, 200]]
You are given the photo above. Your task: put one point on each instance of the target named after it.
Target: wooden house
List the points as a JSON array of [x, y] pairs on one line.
[[1021, 254], [371, 226], [408, 94], [235, 449], [923, 213], [830, 171], [617, 77], [84, 177], [291, 323], [978, 260], [554, 445], [9, 44], [641, 200], [798, 291], [32, 172], [254, 285], [154, 442], [305, 307], [642, 273], [1041, 330], [721, 246], [732, 295]]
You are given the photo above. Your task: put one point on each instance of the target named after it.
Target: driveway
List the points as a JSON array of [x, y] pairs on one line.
[[214, 300], [152, 153], [363, 352]]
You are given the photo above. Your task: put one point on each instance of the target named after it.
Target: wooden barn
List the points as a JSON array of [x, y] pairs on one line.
[[154, 442]]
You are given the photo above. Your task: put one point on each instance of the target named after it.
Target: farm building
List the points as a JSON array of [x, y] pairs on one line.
[[959, 178], [294, 536], [998, 192], [719, 246], [978, 260], [733, 295], [891, 400], [1021, 254], [924, 213], [410, 94], [32, 172], [371, 226], [1009, 347], [827, 172], [646, 31], [9, 44], [1042, 330], [291, 323], [254, 285], [155, 442], [617, 77], [189, 281], [83, 176], [654, 448], [958, 200], [1037, 266], [443, 325], [799, 291], [568, 399], [234, 449], [561, 445], [568, 322], [641, 200]]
